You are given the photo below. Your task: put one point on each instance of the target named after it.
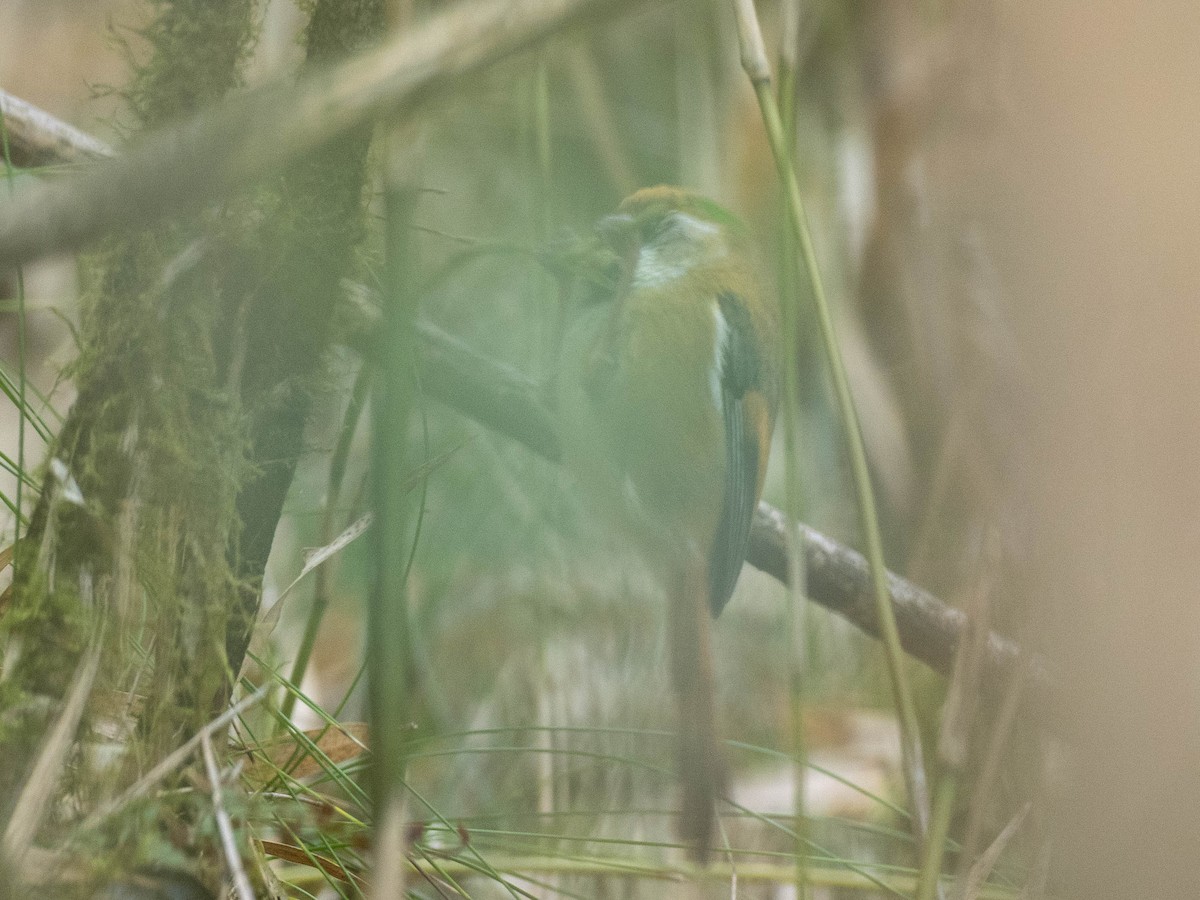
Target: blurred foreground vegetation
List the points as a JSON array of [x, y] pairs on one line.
[[211, 427]]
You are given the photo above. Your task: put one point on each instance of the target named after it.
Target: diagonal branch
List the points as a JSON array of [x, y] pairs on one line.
[[838, 577], [36, 138], [258, 132]]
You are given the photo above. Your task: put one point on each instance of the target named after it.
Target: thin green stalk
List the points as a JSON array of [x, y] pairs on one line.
[[21, 404], [545, 338], [754, 60], [11, 466], [649, 875], [337, 473], [542, 136], [789, 58], [544, 780], [12, 391], [314, 867], [12, 507], [865, 494], [939, 827], [797, 576], [309, 748], [21, 401], [358, 676], [388, 639]]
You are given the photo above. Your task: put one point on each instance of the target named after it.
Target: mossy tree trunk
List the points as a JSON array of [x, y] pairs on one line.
[[201, 343], [309, 247]]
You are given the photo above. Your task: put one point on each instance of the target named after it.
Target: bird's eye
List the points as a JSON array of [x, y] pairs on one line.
[[658, 230]]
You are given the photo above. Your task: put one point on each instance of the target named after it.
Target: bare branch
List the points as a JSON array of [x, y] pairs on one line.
[[487, 391], [36, 138], [233, 857], [248, 136]]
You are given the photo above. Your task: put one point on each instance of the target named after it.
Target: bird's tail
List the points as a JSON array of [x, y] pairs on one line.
[[701, 763]]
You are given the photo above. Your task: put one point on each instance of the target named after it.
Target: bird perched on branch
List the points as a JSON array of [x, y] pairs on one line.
[[666, 398]]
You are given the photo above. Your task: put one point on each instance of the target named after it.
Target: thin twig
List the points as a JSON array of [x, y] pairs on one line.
[[34, 802], [989, 770], [958, 717], [983, 866], [754, 61], [390, 686], [233, 859]]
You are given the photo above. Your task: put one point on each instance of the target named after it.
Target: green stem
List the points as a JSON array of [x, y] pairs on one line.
[[939, 827], [388, 639], [542, 136], [337, 473], [793, 488], [546, 344], [868, 514]]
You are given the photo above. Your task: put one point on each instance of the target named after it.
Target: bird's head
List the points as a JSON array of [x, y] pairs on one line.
[[661, 233]]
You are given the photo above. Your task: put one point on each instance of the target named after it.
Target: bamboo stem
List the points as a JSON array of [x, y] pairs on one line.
[[754, 61]]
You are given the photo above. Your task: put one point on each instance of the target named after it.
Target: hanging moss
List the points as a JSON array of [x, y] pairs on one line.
[[341, 27], [199, 48], [155, 443], [201, 345]]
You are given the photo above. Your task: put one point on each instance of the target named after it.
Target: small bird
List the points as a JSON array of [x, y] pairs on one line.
[[666, 397]]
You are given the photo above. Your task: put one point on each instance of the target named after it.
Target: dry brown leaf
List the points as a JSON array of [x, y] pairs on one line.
[[302, 857], [340, 743]]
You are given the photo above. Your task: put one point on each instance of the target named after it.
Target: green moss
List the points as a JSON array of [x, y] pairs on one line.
[[201, 343], [155, 442], [199, 50], [339, 27]]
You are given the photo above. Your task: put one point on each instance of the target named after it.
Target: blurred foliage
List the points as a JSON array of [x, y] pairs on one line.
[[538, 642], [527, 614]]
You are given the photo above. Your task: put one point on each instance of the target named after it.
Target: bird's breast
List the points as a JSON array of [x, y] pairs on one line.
[[642, 422]]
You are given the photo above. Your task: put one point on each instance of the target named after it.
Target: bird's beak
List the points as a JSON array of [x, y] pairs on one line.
[[619, 232]]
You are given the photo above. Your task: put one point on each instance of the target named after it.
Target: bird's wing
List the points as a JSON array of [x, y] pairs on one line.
[[747, 431]]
